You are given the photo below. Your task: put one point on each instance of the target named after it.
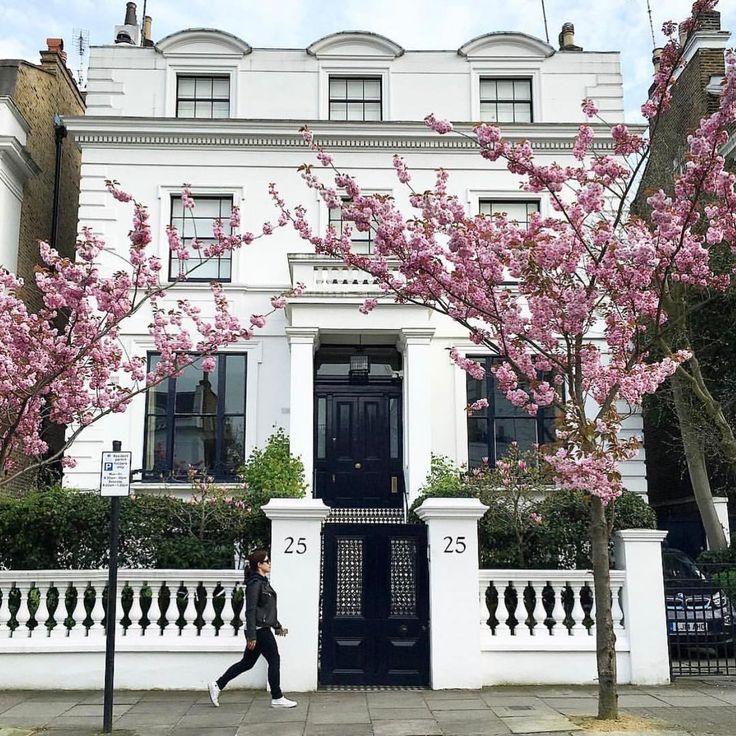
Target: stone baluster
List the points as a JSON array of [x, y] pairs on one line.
[[190, 613], [96, 628], [79, 613], [4, 613], [616, 611], [42, 613], [521, 614], [23, 614], [502, 614], [558, 612], [540, 614], [171, 630], [227, 612], [136, 612], [578, 614], [591, 630], [208, 614]]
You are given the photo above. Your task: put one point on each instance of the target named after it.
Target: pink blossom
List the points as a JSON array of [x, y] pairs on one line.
[[438, 126]]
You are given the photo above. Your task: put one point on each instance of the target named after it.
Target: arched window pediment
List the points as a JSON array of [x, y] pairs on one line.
[[355, 44], [505, 44], [203, 42]]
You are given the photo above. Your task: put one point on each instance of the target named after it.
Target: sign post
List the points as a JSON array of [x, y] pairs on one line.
[[114, 482]]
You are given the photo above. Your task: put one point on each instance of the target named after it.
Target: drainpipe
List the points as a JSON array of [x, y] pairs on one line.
[[59, 134]]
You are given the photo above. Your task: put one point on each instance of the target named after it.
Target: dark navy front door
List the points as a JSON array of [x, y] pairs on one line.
[[375, 605], [358, 458]]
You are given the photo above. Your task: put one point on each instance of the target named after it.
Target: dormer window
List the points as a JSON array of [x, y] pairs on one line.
[[355, 98], [202, 96], [506, 100]]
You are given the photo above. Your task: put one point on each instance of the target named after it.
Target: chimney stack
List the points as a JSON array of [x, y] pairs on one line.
[[147, 40], [567, 38], [54, 48], [129, 33]]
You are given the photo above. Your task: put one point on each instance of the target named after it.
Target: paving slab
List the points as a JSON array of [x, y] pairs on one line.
[[540, 724], [465, 703], [324, 729], [522, 709], [574, 706], [406, 728], [396, 700], [387, 714], [15, 732], [275, 729], [696, 699]]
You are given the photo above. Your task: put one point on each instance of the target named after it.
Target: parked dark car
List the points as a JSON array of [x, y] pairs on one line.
[[698, 610]]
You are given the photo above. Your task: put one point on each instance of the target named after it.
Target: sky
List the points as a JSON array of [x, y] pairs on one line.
[[600, 25]]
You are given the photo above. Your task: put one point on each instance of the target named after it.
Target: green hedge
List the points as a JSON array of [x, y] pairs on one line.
[[63, 528], [527, 525]]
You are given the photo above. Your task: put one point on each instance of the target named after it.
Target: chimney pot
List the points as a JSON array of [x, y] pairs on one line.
[[130, 16], [567, 38], [54, 46], [147, 40]]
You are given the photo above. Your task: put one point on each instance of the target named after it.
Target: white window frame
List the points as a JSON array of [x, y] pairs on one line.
[[473, 198], [165, 193], [507, 69], [184, 69], [359, 69]]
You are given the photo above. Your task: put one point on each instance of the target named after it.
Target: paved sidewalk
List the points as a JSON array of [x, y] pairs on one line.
[[688, 708]]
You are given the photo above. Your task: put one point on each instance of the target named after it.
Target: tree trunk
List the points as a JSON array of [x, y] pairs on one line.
[[696, 467], [605, 638]]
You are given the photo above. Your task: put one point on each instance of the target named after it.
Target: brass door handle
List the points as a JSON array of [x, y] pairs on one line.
[[358, 466]]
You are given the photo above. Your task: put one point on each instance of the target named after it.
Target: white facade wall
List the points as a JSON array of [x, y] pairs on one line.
[[131, 134], [15, 167]]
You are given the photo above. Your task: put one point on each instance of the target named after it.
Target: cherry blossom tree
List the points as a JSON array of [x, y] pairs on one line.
[[65, 364], [574, 305]]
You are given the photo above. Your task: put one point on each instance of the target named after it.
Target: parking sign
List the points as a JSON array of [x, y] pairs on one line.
[[115, 474]]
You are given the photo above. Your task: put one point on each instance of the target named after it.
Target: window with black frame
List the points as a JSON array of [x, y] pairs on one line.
[[361, 240], [197, 420], [200, 96], [355, 98], [506, 100], [198, 223], [515, 210], [492, 430]]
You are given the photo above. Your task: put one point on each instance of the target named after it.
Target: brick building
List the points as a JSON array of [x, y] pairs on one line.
[[694, 95], [30, 96]]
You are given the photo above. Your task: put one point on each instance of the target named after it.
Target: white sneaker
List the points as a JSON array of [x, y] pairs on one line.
[[283, 703], [214, 694]]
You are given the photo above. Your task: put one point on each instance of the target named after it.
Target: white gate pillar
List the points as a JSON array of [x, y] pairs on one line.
[[303, 342], [721, 505], [296, 526], [417, 406], [454, 604], [639, 554]]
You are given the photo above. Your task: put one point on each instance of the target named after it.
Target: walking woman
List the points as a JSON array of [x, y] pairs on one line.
[[260, 618]]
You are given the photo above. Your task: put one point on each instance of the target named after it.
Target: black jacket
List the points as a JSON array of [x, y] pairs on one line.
[[260, 605]]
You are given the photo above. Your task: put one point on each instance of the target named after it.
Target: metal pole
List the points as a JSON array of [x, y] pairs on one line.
[[59, 135], [110, 614]]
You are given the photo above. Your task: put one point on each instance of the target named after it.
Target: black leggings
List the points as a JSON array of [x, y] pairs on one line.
[[265, 645]]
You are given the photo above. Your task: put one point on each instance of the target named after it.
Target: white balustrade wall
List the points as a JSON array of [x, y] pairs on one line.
[[174, 628], [537, 626]]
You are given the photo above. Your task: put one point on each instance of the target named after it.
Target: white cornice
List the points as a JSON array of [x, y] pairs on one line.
[[99, 131], [19, 162]]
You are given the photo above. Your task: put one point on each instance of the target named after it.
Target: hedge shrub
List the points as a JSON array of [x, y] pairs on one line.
[[527, 525]]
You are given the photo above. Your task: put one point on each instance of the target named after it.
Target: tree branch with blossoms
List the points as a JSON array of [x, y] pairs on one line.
[[65, 364]]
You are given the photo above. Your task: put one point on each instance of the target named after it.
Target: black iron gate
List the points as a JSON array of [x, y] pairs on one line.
[[375, 605], [700, 601]]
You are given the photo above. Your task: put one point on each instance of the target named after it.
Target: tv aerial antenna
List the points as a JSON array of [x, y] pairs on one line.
[[80, 41]]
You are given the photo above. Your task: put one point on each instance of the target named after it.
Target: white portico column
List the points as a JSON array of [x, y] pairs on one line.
[[417, 406], [303, 342]]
